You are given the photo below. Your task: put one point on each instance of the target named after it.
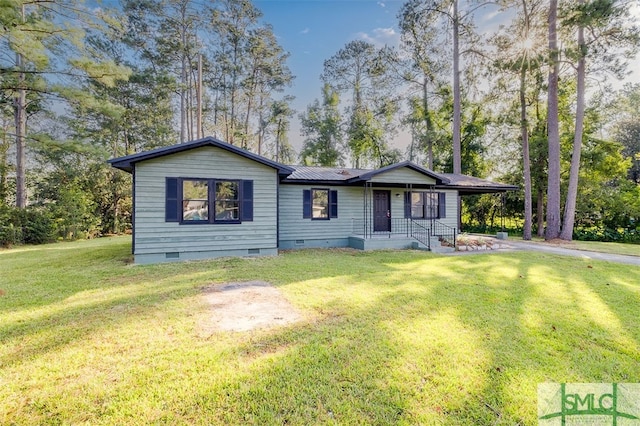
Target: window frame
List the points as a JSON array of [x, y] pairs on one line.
[[214, 201], [307, 204], [181, 200], [427, 207], [242, 202], [328, 207]]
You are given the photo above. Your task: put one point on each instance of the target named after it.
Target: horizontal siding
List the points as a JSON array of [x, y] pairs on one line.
[[154, 235], [452, 209], [294, 227], [403, 175], [350, 207]]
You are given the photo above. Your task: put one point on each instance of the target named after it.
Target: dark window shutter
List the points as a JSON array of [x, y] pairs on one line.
[[306, 204], [407, 205], [172, 203], [246, 210], [333, 203], [442, 207]]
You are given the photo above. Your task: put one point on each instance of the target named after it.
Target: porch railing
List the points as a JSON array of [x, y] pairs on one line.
[[421, 233], [420, 230], [445, 233]]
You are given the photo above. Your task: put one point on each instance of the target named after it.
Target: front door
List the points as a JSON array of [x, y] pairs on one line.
[[381, 211]]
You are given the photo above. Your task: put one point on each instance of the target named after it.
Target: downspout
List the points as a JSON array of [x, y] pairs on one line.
[[277, 211], [133, 211]]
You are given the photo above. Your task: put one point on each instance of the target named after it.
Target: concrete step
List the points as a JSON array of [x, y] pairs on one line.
[[437, 248]]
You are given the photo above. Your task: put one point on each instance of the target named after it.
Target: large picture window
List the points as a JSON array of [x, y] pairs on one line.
[[194, 200], [425, 205]]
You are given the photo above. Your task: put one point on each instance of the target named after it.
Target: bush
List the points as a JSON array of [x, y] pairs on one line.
[[25, 226]]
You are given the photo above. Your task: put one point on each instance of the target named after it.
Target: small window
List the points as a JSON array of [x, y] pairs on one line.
[[320, 204], [195, 200], [227, 204]]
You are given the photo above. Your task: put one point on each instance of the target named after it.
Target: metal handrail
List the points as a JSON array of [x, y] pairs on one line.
[[421, 233], [444, 232]]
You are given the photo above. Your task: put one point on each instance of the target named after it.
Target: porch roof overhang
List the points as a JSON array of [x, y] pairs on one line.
[[470, 185]]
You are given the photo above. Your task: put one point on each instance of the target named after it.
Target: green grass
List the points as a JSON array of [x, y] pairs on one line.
[[391, 337], [598, 246]]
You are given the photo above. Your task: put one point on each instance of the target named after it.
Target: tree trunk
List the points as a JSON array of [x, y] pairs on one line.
[[553, 134], [540, 212], [183, 77], [199, 132], [526, 162], [21, 130], [572, 192], [457, 160], [428, 124]]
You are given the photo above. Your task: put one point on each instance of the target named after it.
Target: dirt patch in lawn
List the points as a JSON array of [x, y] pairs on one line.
[[247, 306]]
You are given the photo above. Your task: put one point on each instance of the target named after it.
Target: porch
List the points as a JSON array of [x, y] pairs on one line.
[[426, 234]]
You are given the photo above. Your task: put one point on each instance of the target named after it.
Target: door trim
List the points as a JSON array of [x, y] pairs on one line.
[[377, 220]]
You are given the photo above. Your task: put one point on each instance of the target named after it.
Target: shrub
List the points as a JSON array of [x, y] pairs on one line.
[[25, 226]]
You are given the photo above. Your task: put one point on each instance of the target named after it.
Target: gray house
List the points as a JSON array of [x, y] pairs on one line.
[[207, 198]]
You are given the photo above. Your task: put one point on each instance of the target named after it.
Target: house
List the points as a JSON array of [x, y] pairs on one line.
[[207, 198]]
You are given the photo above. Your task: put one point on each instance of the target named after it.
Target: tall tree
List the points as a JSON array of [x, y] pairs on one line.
[[519, 54], [321, 126], [460, 22], [360, 70], [553, 132], [50, 51], [609, 26], [423, 70]]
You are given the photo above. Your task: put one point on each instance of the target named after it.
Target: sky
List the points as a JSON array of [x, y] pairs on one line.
[[314, 30]]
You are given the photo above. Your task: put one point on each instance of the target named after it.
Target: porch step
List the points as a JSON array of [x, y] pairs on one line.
[[436, 247]]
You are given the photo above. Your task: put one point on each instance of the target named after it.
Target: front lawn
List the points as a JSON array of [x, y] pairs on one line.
[[389, 337]]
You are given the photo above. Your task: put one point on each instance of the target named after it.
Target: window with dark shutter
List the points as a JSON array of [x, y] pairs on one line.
[[306, 204], [208, 201], [171, 211], [333, 203], [319, 204], [247, 200]]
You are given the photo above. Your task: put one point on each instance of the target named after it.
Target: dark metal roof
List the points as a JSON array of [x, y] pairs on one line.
[[408, 164], [320, 175], [323, 174], [127, 162], [473, 185]]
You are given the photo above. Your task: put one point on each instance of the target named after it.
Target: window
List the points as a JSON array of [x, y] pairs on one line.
[[227, 196], [319, 204], [194, 200], [425, 205]]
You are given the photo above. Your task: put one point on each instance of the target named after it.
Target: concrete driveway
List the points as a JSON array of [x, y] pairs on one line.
[[620, 258], [549, 248]]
